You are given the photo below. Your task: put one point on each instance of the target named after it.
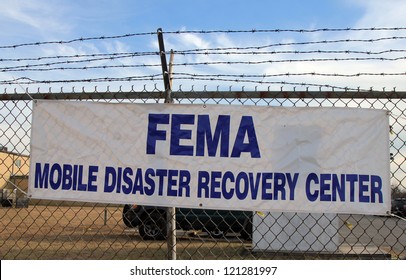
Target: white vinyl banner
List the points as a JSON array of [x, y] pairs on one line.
[[313, 160]]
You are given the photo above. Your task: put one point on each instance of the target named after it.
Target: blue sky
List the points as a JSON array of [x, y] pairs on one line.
[[49, 20], [45, 19]]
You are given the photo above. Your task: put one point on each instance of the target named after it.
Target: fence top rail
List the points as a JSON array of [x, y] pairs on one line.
[[207, 94]]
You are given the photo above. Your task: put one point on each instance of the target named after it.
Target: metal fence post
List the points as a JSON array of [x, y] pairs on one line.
[[170, 212]]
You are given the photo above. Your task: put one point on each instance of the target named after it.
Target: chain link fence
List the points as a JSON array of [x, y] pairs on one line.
[[40, 229]]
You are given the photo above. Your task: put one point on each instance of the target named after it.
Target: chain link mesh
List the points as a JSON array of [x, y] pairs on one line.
[[40, 229]]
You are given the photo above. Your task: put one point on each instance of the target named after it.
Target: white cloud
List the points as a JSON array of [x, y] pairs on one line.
[[378, 13], [42, 17]]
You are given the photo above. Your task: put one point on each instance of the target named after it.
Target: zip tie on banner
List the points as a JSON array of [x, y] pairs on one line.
[[261, 214], [349, 225]]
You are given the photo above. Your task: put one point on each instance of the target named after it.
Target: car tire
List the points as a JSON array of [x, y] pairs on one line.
[[153, 226], [130, 216]]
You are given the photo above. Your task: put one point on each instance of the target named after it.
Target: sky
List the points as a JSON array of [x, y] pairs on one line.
[[52, 20]]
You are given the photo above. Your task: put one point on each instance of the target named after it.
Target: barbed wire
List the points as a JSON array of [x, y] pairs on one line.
[[84, 39], [31, 67], [61, 42], [226, 52], [30, 81], [204, 77], [371, 40], [314, 30], [283, 83], [263, 76], [197, 52], [155, 78], [109, 55], [185, 64], [189, 76], [291, 52], [115, 56], [48, 64], [209, 51]]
